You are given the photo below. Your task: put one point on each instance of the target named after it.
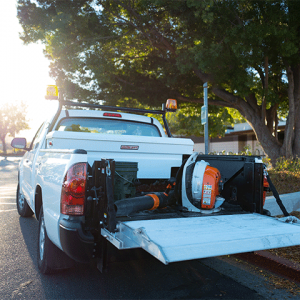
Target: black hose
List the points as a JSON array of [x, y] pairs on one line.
[[125, 207], [276, 195], [178, 177]]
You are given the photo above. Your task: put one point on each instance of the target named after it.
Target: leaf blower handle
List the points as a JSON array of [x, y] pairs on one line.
[[171, 184]]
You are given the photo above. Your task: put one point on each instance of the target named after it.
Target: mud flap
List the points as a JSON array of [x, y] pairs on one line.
[[179, 239]]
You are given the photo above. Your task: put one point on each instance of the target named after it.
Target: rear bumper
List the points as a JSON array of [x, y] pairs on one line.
[[75, 242]]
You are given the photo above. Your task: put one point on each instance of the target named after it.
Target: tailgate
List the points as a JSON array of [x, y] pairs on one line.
[[179, 239]]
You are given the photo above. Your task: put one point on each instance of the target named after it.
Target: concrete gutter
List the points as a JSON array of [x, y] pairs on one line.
[[291, 202], [268, 261]]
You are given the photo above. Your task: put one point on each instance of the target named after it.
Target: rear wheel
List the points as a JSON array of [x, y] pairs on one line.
[[23, 208], [50, 257], [44, 245]]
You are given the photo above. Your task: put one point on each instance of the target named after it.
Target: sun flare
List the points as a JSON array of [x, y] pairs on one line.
[[25, 70]]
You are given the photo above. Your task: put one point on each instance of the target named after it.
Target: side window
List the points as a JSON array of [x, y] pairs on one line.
[[37, 138]]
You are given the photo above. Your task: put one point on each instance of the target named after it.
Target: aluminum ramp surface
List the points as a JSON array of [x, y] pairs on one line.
[[179, 239]]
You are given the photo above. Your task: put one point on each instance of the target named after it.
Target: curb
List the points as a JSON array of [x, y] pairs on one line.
[[270, 262], [11, 155], [291, 202], [265, 259]]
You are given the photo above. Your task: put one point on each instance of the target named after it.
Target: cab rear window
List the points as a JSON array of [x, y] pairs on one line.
[[108, 126]]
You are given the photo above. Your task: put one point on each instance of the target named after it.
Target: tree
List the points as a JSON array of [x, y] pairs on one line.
[[12, 120], [248, 52], [186, 120]]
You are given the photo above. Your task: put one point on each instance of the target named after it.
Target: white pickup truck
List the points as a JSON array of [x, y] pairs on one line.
[[93, 177]]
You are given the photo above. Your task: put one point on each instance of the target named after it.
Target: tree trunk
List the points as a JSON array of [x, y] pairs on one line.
[[287, 147], [265, 86], [269, 143], [296, 147], [276, 126], [253, 114], [271, 114], [3, 143], [256, 117]]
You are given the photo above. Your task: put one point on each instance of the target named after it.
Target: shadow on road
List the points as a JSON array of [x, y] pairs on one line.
[[133, 275], [9, 163], [29, 230]]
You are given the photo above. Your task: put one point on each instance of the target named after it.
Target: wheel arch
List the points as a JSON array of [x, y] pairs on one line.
[[38, 201]]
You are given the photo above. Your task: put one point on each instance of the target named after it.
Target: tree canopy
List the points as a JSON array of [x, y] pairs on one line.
[[12, 120], [151, 50]]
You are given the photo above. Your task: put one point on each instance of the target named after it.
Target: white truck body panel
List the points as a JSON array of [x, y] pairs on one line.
[[52, 167], [155, 155]]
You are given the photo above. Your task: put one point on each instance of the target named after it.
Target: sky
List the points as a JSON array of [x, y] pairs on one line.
[[24, 70]]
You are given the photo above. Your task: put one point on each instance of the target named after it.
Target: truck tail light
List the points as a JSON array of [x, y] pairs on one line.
[[112, 115], [73, 190]]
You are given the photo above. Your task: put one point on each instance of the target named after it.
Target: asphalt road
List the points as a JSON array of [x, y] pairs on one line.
[[127, 278]]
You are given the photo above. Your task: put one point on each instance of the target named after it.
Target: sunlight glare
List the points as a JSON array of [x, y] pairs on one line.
[[25, 70]]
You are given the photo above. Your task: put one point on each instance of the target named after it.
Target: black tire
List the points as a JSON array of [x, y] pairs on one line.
[[44, 245], [50, 257], [24, 209]]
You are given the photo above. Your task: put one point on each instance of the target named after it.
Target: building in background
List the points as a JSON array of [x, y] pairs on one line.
[[237, 139]]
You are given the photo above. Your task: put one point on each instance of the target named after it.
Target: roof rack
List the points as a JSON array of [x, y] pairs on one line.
[[52, 94]]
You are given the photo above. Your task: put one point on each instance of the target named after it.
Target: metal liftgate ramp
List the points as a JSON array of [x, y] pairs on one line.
[[179, 239]]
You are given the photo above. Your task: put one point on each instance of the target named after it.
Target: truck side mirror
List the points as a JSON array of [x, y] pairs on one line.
[[19, 143]]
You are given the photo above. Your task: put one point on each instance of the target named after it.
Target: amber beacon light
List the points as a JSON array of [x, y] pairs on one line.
[[51, 92], [171, 105]]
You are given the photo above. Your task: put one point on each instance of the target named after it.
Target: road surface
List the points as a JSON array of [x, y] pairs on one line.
[[128, 278]]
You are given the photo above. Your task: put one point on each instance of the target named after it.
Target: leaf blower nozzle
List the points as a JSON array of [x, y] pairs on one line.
[[151, 201]]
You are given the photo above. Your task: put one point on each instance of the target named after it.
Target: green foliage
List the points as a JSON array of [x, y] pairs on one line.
[[12, 120], [236, 116], [267, 161], [246, 151], [187, 121], [291, 164], [285, 181], [148, 50], [77, 128], [151, 50]]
